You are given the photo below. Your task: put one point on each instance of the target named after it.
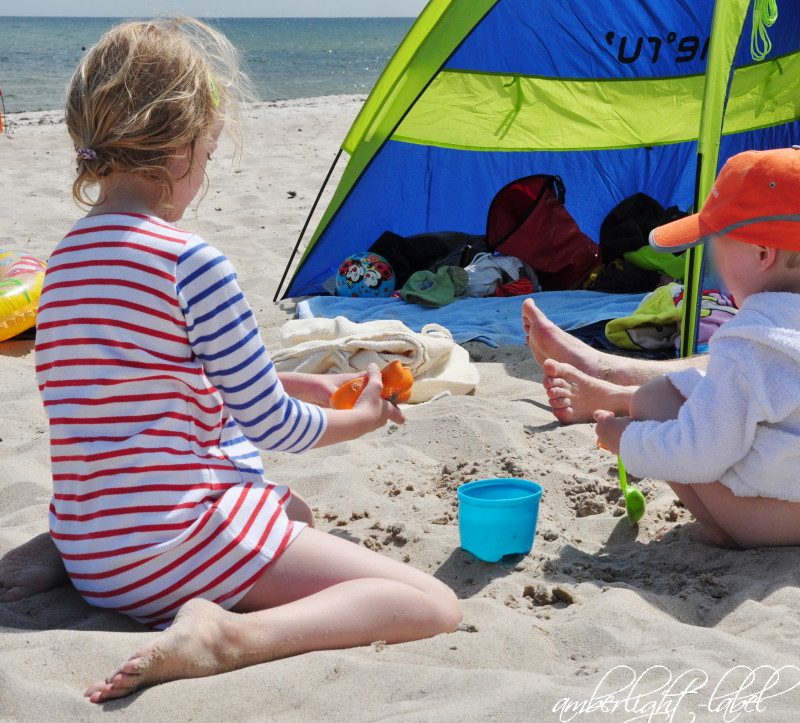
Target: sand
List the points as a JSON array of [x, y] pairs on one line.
[[600, 622]]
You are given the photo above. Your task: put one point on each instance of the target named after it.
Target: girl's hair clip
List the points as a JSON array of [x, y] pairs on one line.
[[214, 91], [87, 154]]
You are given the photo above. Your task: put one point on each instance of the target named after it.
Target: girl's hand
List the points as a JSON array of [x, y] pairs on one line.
[[370, 412], [610, 428], [379, 409]]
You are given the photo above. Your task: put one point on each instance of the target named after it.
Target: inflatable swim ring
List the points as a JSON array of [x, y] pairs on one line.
[[21, 279]]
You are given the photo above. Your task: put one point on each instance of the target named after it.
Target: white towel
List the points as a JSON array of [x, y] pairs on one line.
[[337, 345]]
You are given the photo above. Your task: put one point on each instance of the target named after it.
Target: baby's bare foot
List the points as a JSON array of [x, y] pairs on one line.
[[574, 395], [32, 568], [700, 533], [196, 645]]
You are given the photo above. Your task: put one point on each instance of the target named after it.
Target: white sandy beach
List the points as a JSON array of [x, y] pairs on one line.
[[627, 624]]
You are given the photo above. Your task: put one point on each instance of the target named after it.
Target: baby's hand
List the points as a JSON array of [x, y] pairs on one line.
[[610, 429]]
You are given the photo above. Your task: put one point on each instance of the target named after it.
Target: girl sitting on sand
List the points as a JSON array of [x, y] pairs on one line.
[[158, 390]]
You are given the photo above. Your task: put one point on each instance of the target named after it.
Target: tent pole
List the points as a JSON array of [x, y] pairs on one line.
[[305, 225], [695, 269], [726, 29]]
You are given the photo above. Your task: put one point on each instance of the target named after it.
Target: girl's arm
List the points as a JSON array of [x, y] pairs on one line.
[[314, 388], [225, 339]]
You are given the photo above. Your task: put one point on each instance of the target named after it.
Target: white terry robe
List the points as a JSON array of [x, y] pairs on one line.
[[740, 423]]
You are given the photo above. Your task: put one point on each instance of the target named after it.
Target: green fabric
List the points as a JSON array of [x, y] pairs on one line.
[[726, 29], [654, 324], [437, 32], [651, 260], [435, 288], [494, 112]]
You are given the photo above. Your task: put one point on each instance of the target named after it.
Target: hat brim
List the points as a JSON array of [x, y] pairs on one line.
[[679, 235]]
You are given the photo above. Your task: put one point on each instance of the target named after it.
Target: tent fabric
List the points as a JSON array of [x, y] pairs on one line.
[[606, 95]]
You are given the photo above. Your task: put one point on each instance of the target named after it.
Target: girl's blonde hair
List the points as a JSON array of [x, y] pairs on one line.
[[147, 92]]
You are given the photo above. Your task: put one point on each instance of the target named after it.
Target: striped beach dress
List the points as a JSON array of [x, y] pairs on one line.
[[159, 394]]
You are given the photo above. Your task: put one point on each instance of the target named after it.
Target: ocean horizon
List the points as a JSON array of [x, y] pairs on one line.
[[286, 57]]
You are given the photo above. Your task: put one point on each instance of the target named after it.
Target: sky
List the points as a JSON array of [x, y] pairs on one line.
[[219, 8]]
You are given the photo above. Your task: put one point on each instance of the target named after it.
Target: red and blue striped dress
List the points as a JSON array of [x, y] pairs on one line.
[[159, 392]]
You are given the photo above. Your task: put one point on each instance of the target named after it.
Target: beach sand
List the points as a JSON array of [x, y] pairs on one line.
[[619, 622]]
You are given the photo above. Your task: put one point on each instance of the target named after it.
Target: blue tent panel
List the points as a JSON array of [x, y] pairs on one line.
[[399, 192]]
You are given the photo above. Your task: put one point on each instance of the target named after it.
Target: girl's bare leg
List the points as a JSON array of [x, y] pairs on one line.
[[299, 510], [322, 593]]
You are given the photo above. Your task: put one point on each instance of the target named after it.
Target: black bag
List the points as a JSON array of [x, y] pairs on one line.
[[426, 251], [628, 225]]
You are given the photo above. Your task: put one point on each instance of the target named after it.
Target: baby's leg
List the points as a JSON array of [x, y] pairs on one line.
[[708, 530], [657, 400], [751, 521], [322, 593]]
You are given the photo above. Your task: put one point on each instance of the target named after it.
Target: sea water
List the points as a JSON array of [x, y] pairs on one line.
[[286, 57]]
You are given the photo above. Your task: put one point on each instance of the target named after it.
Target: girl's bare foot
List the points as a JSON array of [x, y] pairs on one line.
[[32, 568], [574, 395], [197, 644]]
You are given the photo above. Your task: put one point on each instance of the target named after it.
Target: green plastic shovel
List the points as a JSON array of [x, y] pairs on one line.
[[634, 499]]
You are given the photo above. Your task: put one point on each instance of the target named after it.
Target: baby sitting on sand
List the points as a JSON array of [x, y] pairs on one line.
[[729, 438]]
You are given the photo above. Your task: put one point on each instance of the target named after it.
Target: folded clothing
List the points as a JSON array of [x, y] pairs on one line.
[[489, 271], [656, 322], [320, 346]]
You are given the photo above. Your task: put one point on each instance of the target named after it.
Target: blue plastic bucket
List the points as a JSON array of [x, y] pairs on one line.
[[497, 517]]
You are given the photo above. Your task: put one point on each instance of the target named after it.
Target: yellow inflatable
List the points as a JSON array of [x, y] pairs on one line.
[[21, 279]]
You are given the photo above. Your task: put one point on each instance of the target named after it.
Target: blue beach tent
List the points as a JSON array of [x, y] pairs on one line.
[[615, 96]]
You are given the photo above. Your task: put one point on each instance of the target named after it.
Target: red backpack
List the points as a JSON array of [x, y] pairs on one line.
[[527, 219]]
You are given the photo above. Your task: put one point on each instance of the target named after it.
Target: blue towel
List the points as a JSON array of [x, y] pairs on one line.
[[492, 320]]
